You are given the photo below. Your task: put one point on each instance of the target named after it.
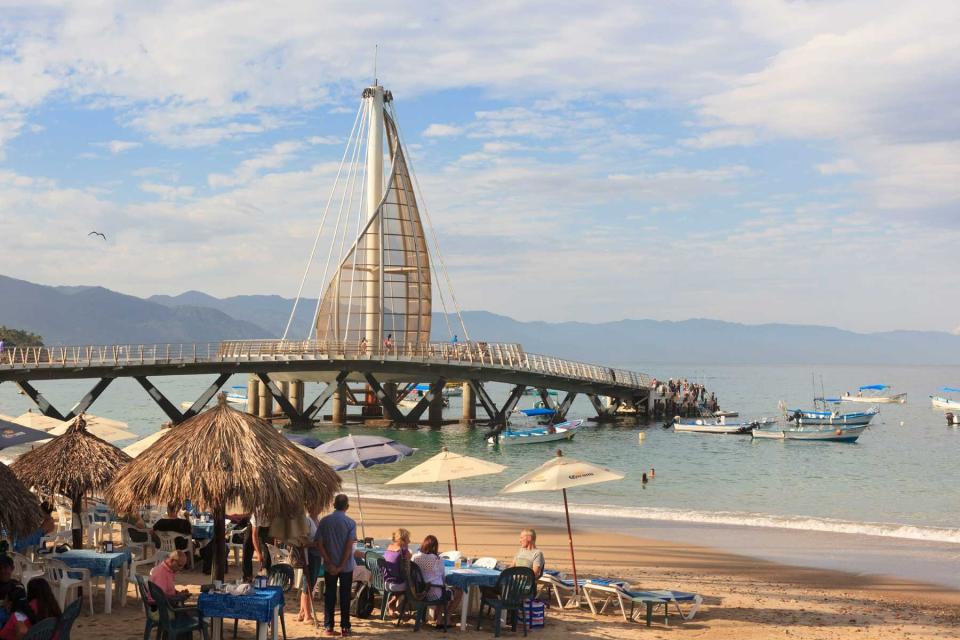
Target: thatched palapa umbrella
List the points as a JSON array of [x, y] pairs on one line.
[[73, 465], [224, 457], [20, 513]]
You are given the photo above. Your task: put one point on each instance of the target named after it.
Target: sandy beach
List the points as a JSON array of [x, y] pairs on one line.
[[743, 598]]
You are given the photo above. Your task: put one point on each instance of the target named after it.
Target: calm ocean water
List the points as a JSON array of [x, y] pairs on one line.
[[895, 492]]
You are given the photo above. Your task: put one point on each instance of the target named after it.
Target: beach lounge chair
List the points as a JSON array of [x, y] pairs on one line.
[[649, 599], [562, 588]]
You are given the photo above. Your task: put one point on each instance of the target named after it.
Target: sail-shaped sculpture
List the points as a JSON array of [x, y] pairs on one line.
[[382, 288]]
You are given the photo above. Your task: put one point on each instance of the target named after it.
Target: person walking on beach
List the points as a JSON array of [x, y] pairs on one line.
[[338, 533]]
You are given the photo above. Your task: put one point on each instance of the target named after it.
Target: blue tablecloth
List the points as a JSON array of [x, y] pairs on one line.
[[257, 606], [472, 577], [100, 564], [202, 530]]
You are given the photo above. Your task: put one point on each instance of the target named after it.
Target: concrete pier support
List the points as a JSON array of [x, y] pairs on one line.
[[284, 389], [338, 405], [265, 408], [295, 395], [435, 411], [469, 403], [390, 388], [253, 396]]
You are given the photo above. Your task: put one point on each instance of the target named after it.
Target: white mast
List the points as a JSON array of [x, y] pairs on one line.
[[373, 297]]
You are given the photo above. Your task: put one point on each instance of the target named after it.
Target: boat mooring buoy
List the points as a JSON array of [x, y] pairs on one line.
[[641, 436]]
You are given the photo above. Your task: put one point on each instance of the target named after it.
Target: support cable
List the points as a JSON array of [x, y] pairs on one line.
[[323, 219]]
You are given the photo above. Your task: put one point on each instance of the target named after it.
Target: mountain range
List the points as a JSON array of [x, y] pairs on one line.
[[95, 315]]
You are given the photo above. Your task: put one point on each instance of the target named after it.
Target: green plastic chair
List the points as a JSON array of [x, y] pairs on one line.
[[152, 616], [372, 560], [416, 598], [43, 630], [176, 620], [514, 587], [69, 616]]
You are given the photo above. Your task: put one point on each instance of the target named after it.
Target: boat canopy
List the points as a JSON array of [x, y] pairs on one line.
[[950, 389], [537, 412], [874, 387]]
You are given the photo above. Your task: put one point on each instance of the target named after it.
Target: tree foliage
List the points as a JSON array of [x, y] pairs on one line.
[[18, 338]]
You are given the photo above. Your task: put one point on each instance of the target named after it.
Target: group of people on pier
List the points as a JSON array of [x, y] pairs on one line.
[[681, 397]]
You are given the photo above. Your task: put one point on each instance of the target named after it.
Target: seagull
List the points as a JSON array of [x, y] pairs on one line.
[[97, 233]]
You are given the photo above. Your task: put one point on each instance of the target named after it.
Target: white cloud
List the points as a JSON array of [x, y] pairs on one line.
[[839, 166], [274, 158], [721, 138], [119, 146], [166, 191], [437, 130]]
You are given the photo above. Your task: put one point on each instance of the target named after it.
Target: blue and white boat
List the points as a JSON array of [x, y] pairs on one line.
[[840, 433], [547, 433], [803, 418], [940, 402], [718, 425], [874, 394]]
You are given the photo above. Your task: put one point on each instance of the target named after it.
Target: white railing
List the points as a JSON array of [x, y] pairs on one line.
[[479, 354]]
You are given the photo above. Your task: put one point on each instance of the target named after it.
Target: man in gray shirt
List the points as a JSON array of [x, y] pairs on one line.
[[337, 533], [529, 555]]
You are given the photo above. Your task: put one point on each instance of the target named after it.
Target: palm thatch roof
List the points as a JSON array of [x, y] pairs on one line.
[[20, 512], [224, 457], [72, 465]]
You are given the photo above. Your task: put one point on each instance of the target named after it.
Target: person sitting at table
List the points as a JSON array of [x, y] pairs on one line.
[[7, 583], [529, 555], [42, 604], [397, 553], [164, 575], [434, 572], [20, 616], [173, 523]]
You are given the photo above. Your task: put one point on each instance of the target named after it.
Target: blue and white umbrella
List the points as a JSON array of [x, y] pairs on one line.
[[12, 434], [361, 452]]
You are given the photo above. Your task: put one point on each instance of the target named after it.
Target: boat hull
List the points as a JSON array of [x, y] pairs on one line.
[[827, 419], [839, 434], [562, 431], [944, 403], [900, 398], [691, 425]]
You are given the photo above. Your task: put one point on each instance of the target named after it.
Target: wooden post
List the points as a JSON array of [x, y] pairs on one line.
[[219, 542], [469, 403]]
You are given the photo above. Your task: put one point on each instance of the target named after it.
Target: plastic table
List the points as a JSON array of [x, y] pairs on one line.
[[101, 565], [262, 606], [470, 579]]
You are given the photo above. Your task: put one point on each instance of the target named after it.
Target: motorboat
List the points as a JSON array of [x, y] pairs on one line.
[[941, 402], [416, 394], [718, 425], [841, 433], [236, 398], [805, 418], [546, 433], [875, 394]]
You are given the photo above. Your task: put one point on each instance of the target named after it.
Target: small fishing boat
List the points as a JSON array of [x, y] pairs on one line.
[[718, 425], [537, 412], [548, 433], [940, 402], [874, 394], [811, 433], [416, 394], [832, 418]]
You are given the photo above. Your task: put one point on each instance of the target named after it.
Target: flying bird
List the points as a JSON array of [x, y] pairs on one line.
[[97, 233]]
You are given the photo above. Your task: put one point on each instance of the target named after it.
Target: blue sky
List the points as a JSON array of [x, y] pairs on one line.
[[754, 161]]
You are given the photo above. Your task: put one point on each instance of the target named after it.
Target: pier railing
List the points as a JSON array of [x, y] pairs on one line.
[[479, 354]]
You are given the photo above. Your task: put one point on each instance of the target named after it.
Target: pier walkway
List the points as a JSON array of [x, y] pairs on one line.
[[281, 365]]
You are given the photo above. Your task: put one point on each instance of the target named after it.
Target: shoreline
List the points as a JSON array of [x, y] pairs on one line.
[[933, 562]]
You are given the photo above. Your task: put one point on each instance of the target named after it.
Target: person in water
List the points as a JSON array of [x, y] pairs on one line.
[[644, 479]]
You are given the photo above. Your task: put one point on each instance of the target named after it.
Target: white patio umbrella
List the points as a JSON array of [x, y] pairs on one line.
[[103, 428], [562, 473], [444, 467], [144, 443]]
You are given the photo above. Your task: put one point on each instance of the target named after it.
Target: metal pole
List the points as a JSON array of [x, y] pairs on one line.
[[573, 561], [453, 520], [356, 479]]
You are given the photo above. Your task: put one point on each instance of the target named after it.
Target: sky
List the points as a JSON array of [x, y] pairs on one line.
[[753, 161]]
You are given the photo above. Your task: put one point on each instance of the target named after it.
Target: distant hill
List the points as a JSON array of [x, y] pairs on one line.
[[93, 314]]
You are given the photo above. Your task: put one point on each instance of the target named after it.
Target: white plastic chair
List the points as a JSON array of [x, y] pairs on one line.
[[142, 553], [24, 568], [56, 573], [485, 562], [278, 555], [168, 543], [452, 556], [236, 547]]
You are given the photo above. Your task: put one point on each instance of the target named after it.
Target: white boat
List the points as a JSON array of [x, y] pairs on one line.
[[940, 402], [549, 433], [718, 425], [874, 394], [811, 433], [236, 398], [832, 418]]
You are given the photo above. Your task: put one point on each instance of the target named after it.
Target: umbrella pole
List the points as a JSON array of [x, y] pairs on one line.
[[219, 543], [363, 529], [453, 520], [573, 560], [77, 524]]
